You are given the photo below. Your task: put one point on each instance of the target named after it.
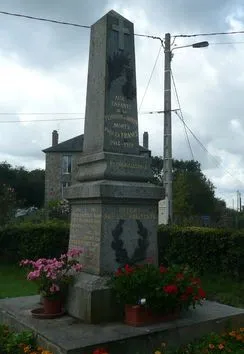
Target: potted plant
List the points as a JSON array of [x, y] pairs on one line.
[[151, 294], [53, 277]]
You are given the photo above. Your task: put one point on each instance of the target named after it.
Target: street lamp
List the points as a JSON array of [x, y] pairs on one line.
[[167, 167]]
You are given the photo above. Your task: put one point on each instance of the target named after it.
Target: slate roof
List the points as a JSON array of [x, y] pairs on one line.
[[72, 145], [75, 145]]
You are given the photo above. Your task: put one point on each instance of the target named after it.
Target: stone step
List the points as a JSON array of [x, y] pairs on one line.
[[67, 335]]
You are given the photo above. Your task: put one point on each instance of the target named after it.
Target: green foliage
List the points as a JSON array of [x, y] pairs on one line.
[[230, 342], [28, 240], [59, 209], [7, 203], [204, 249], [12, 342], [29, 185], [160, 288], [193, 193]]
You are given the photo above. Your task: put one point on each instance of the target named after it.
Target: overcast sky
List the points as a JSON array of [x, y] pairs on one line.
[[43, 69]]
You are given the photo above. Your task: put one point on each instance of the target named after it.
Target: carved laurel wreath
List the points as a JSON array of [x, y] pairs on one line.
[[118, 245]]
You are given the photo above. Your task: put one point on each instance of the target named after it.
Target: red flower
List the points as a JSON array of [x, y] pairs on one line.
[[189, 290], [100, 351], [180, 276], [170, 289], [163, 269], [129, 269], [119, 272], [184, 297], [195, 281], [201, 293]]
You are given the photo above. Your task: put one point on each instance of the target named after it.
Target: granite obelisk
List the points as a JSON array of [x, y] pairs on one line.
[[114, 206]]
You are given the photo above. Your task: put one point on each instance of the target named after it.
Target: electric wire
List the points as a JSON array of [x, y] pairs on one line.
[[65, 23], [150, 78], [181, 113], [208, 34], [218, 163]]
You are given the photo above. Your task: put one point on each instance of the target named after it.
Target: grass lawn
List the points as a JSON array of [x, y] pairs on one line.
[[224, 289], [13, 282]]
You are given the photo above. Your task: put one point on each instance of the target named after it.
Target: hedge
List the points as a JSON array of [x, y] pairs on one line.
[[28, 240], [204, 249]]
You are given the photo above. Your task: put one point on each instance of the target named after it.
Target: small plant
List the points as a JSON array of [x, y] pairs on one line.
[[19, 343], [53, 275], [59, 209], [158, 288]]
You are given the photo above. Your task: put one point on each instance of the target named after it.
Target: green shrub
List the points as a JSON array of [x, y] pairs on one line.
[[204, 249], [28, 240]]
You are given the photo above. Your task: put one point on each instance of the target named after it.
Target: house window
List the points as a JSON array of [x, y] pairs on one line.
[[66, 164], [64, 185]]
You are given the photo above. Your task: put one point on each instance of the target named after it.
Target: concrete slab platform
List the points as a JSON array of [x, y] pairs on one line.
[[66, 335]]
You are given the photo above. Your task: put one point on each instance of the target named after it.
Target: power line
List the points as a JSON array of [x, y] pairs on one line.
[[218, 163], [150, 78], [37, 113], [65, 23], [182, 117], [44, 19], [38, 120], [207, 34]]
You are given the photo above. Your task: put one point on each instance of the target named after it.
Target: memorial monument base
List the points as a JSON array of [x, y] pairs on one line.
[[115, 223], [91, 301]]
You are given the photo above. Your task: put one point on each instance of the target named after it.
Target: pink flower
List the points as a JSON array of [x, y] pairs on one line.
[[77, 267], [54, 288], [75, 252], [24, 262], [33, 275]]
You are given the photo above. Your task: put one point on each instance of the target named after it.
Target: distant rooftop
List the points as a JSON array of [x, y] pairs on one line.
[[75, 145], [72, 145]]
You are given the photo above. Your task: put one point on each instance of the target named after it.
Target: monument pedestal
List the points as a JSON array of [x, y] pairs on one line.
[[91, 300], [115, 223]]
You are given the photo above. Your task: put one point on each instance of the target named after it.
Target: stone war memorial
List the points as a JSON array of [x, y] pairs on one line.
[[114, 206], [114, 219]]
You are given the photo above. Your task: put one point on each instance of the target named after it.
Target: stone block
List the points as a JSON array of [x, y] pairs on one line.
[[91, 300]]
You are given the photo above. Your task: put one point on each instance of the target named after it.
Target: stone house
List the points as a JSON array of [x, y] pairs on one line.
[[62, 164]]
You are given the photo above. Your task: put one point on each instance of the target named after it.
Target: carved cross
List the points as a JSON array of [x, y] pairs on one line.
[[122, 31]]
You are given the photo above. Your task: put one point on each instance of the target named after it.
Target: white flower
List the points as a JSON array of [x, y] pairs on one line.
[[142, 301]]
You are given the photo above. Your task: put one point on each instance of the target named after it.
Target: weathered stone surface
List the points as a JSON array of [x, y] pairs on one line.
[[66, 335], [115, 167], [92, 291], [115, 209], [114, 232], [111, 122]]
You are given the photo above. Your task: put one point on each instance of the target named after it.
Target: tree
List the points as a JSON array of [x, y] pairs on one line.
[[193, 193], [28, 185], [7, 203]]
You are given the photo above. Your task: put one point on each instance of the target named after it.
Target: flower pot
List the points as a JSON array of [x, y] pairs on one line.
[[136, 315], [52, 306]]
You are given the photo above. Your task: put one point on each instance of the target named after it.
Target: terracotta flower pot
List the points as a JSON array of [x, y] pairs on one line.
[[136, 315], [52, 306]]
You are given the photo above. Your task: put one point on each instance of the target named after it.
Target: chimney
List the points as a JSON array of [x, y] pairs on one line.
[[145, 140], [54, 138]]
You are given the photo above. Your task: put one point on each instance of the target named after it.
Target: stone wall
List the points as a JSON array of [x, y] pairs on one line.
[[54, 176]]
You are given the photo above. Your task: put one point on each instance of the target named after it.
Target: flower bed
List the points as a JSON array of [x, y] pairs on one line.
[[19, 343], [160, 290], [230, 342]]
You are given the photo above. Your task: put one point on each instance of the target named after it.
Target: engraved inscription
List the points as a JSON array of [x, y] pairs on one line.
[[128, 165], [130, 213]]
